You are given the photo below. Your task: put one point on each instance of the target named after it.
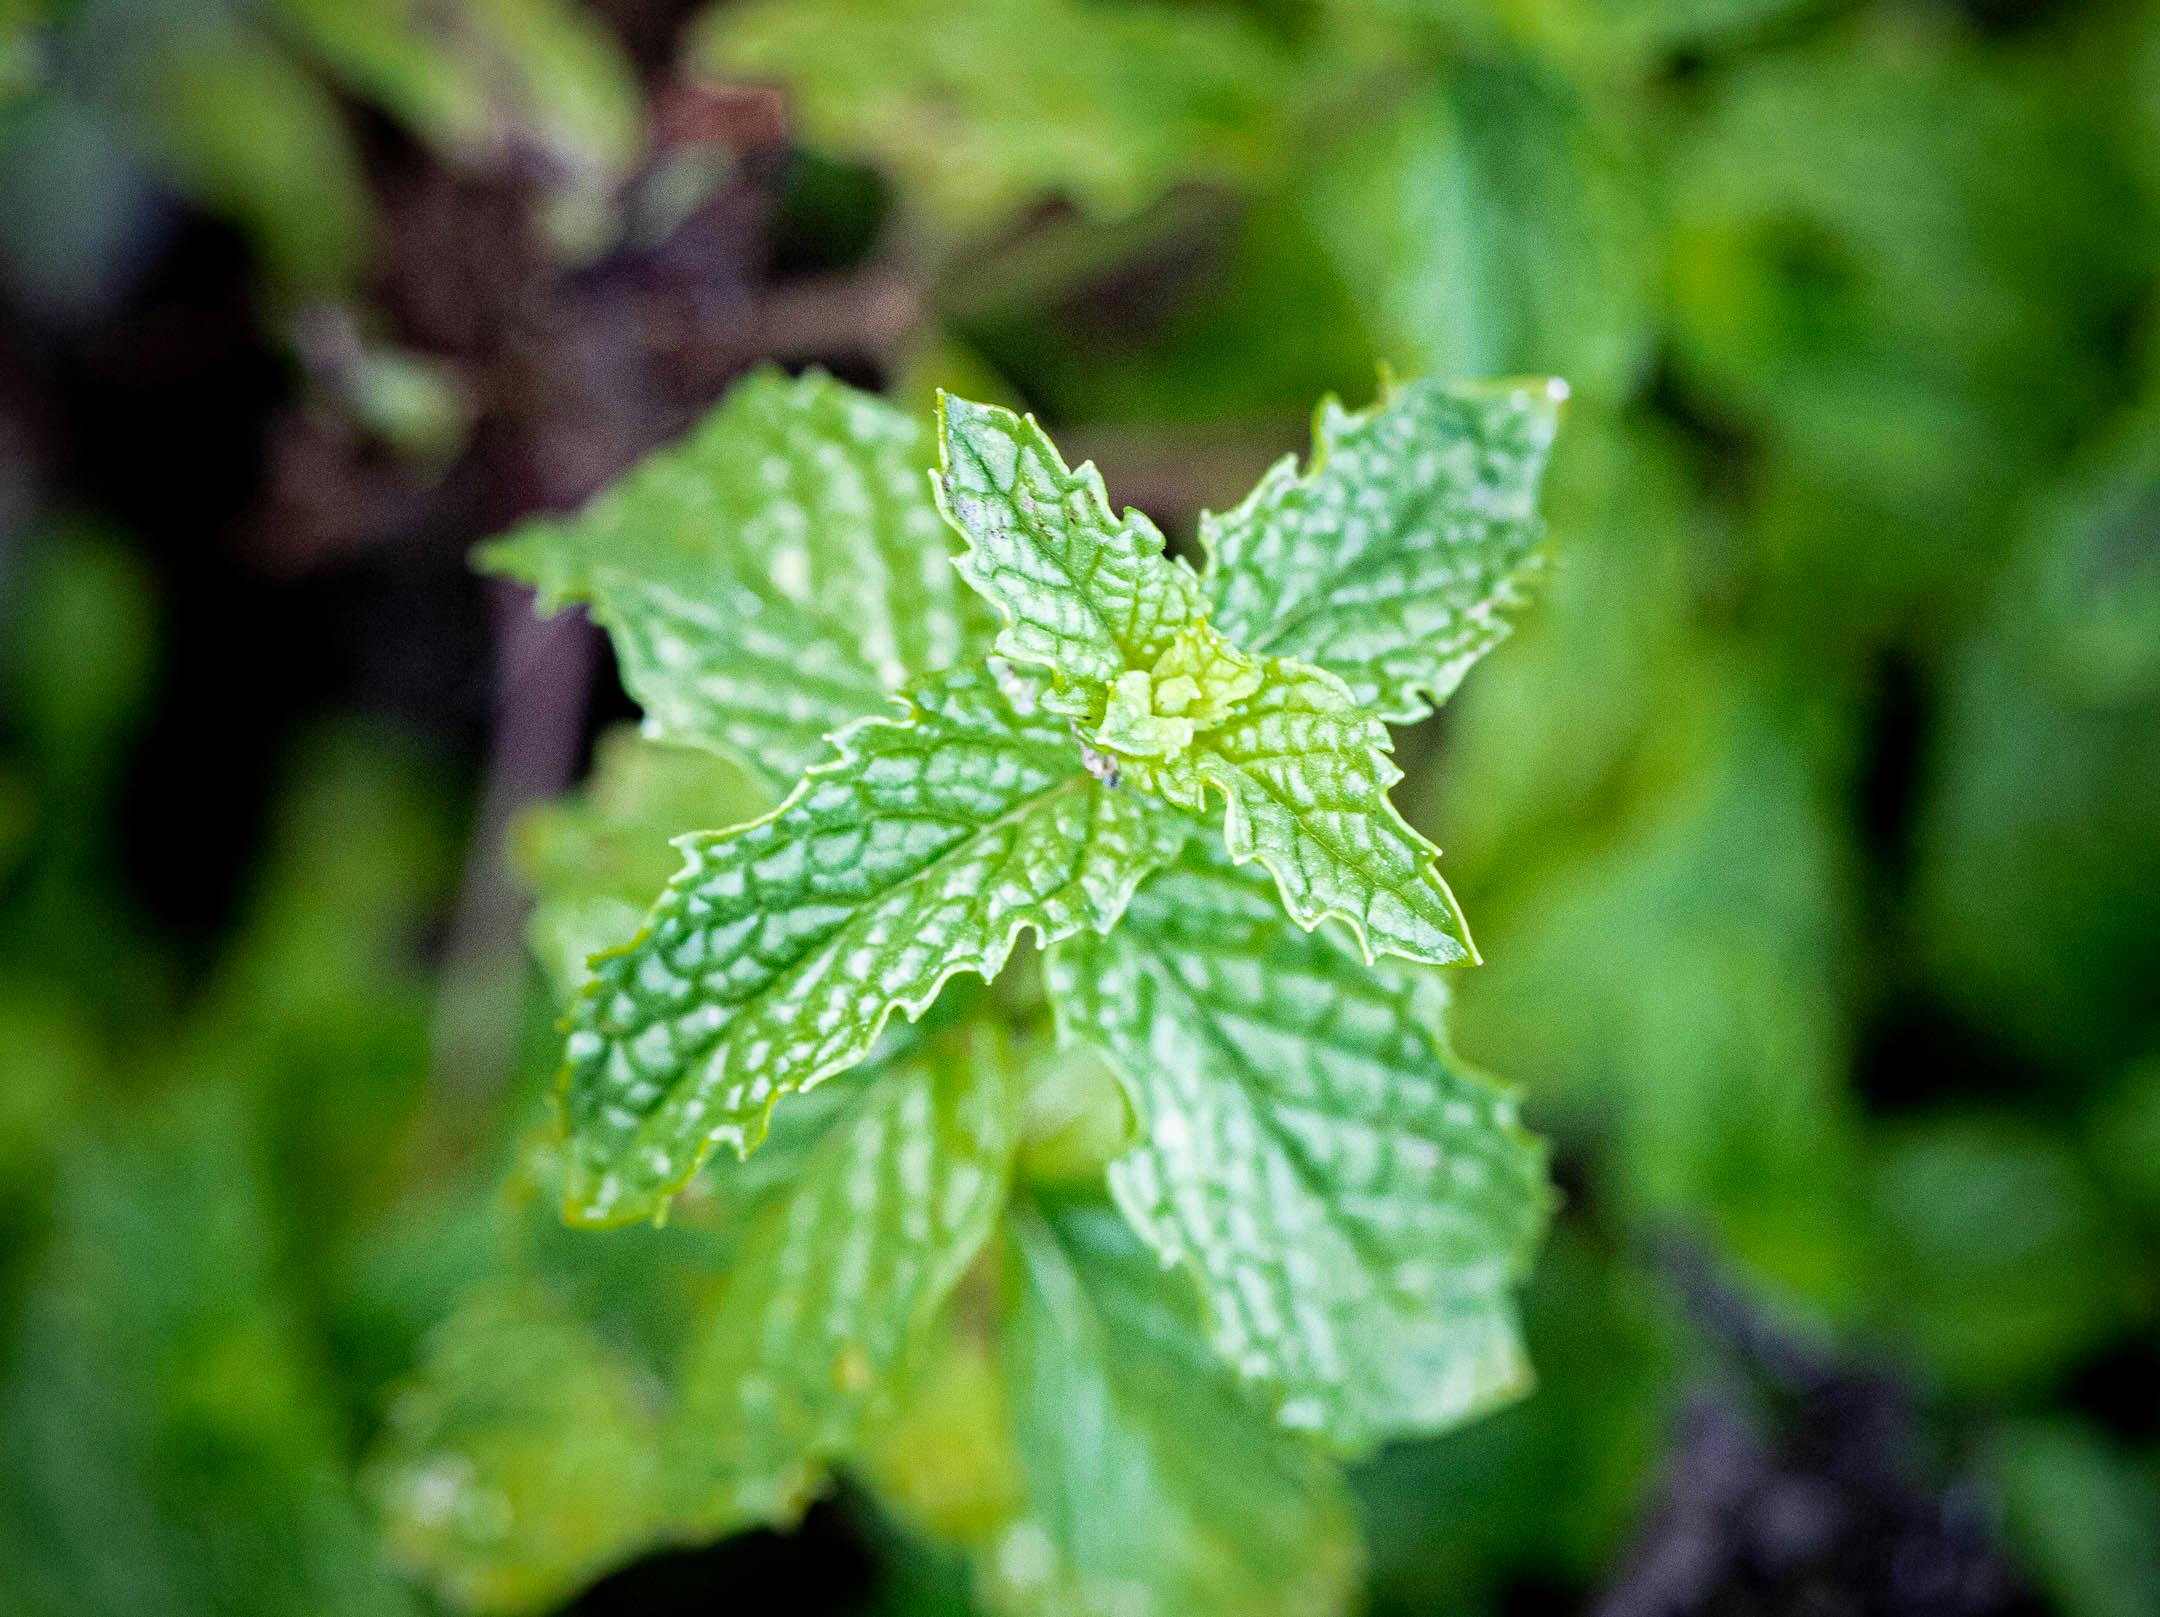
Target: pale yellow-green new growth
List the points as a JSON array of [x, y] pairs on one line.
[[1176, 708]]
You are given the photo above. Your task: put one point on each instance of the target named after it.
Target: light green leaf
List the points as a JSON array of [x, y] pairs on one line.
[[1304, 773], [980, 106], [1392, 560], [249, 134], [477, 77], [1491, 222], [782, 948], [769, 579], [808, 1339], [1356, 1204], [1083, 593], [595, 860], [1173, 705], [1152, 1487], [522, 1458]]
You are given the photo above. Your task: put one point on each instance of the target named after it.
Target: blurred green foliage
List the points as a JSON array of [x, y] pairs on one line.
[[1811, 825]]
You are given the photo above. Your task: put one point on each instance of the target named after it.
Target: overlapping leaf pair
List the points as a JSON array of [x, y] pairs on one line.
[[1339, 1208]]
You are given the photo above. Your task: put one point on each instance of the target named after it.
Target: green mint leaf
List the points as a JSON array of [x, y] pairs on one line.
[[942, 1464], [811, 1334], [475, 78], [1175, 707], [1304, 773], [595, 860], [977, 110], [1487, 223], [1356, 1204], [1393, 559], [1152, 1487], [1083, 593], [523, 1457], [770, 578], [782, 948]]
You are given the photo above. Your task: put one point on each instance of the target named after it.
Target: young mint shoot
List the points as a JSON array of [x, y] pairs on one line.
[[1199, 1196]]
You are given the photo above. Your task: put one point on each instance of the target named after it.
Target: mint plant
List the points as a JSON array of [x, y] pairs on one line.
[[1145, 1236]]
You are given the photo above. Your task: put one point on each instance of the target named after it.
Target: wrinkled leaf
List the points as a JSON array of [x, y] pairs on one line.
[[1083, 593], [769, 579], [775, 957], [827, 1309], [1357, 1205], [1304, 775], [596, 860], [1392, 560], [1176, 708]]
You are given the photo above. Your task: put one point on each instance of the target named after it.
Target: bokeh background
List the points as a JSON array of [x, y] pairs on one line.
[[1810, 826]]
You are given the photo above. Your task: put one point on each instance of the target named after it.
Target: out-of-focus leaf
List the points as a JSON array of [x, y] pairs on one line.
[[1997, 1256], [1610, 35], [78, 638], [770, 579], [1454, 1519], [1266, 293], [168, 1445], [944, 1462], [2094, 575], [979, 106], [322, 1003], [1899, 261], [2082, 1515], [240, 126], [1152, 1489], [830, 1302], [52, 1072], [2038, 888], [1392, 559], [480, 78], [777, 955], [1356, 1205], [2123, 1131], [1705, 1025], [596, 860], [1075, 1115], [523, 1457], [21, 49], [1545, 739], [1487, 227]]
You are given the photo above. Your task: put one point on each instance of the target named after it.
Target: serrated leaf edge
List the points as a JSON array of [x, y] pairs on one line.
[[1091, 478], [995, 958], [1418, 699]]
